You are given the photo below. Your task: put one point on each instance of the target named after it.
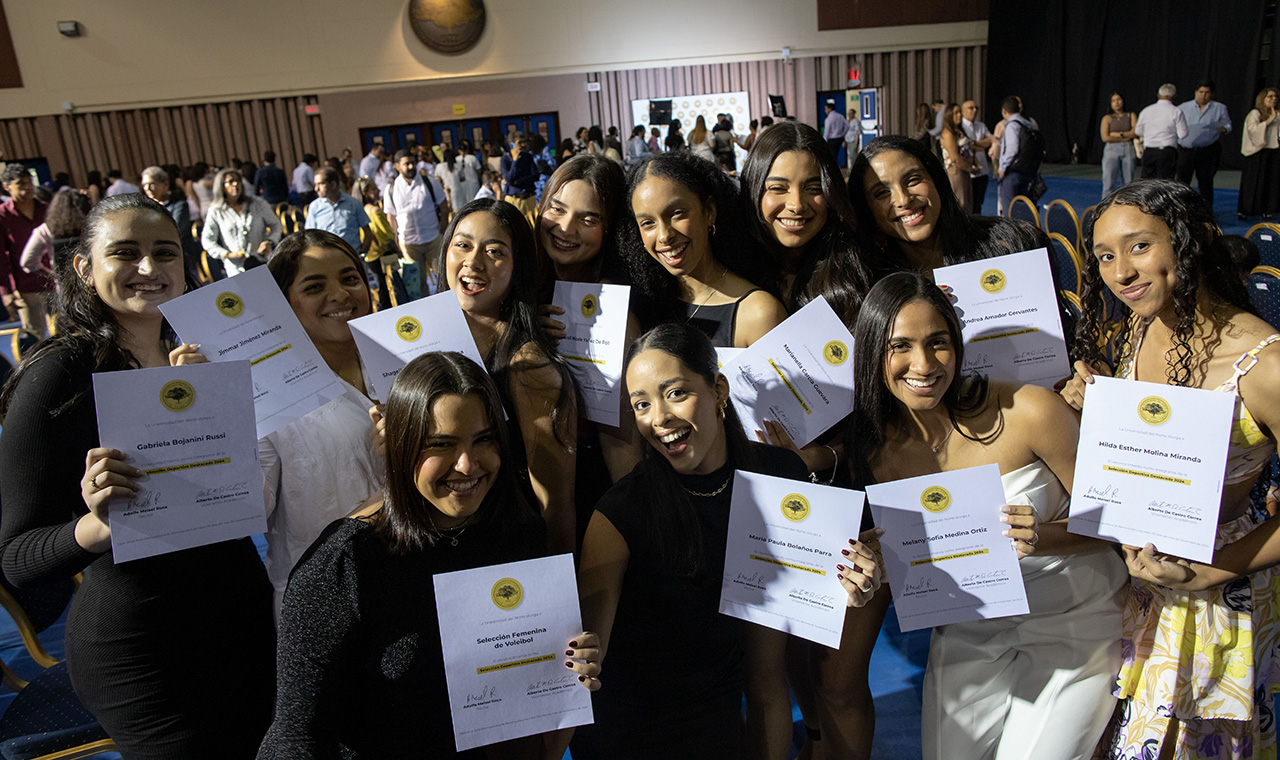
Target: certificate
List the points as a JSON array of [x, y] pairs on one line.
[[780, 559], [1009, 313], [388, 340], [247, 317], [1150, 465], [944, 548], [799, 375], [595, 319], [191, 430], [504, 630], [726, 355]]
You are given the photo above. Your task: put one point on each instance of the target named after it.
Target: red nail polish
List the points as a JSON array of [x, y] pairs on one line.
[[841, 577], [840, 568], [583, 679], [845, 552], [568, 664], [568, 653], [573, 643]]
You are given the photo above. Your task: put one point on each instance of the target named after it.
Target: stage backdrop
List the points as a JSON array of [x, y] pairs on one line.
[[1064, 58]]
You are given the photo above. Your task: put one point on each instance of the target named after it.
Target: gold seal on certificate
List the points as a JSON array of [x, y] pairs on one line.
[[507, 593], [589, 305], [177, 395], [993, 281], [795, 507], [835, 353], [1154, 410], [230, 305], [935, 499], [408, 329]]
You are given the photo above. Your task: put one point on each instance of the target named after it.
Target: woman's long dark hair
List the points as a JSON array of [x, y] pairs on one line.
[[673, 524], [955, 227], [86, 325], [730, 245], [608, 182], [519, 310], [875, 410], [833, 265], [1203, 260], [404, 522], [67, 212]]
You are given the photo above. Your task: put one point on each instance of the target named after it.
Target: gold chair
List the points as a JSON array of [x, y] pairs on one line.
[[1013, 213], [1264, 292], [1058, 222], [1267, 237], [1065, 270]]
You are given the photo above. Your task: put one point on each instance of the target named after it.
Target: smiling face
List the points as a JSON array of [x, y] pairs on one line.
[[328, 292], [674, 224], [793, 206], [903, 200], [134, 263], [1136, 259], [1270, 100], [460, 460], [479, 263], [571, 230], [21, 189], [920, 360], [232, 187], [677, 412]]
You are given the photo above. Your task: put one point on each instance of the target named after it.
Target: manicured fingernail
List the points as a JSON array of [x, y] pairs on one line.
[[841, 577], [568, 653], [573, 643], [582, 679], [845, 552], [840, 568], [1004, 519], [568, 664]]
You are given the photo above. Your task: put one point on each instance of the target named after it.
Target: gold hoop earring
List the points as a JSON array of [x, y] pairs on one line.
[[711, 229]]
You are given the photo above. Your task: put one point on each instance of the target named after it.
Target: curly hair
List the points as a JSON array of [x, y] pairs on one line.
[[730, 244], [1203, 260]]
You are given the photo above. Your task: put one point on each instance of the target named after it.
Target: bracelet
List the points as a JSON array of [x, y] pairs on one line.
[[813, 476]]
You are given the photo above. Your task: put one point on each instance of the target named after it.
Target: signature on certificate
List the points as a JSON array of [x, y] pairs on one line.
[[987, 577], [977, 361], [548, 684], [811, 596], [1038, 353], [147, 501], [750, 579], [1184, 510], [300, 370], [487, 694], [1107, 493], [206, 493], [923, 585]]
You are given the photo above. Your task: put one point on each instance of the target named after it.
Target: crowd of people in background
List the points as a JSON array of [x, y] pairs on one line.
[[721, 234]]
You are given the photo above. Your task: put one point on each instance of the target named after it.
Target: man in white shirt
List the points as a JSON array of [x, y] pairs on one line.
[[118, 186], [852, 139], [980, 137], [411, 203], [834, 128], [304, 179], [1198, 152], [1161, 125]]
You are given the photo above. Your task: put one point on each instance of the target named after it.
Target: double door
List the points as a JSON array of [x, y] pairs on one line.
[[499, 128]]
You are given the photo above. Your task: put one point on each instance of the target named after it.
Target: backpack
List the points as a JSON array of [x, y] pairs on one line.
[[1030, 149]]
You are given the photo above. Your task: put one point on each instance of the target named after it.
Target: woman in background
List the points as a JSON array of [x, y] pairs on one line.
[[700, 140], [957, 157], [1117, 150], [60, 233], [240, 230], [1260, 145]]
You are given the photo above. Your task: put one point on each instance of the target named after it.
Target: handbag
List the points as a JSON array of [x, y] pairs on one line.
[[1037, 189]]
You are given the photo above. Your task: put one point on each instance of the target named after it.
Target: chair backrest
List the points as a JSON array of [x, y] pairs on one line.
[[1061, 218], [1264, 292], [1267, 237], [1022, 208], [1065, 263]]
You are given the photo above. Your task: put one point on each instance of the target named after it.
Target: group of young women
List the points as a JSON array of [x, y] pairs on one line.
[[465, 466]]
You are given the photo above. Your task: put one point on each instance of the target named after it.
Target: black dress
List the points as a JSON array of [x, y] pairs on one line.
[[360, 660], [172, 654], [656, 701]]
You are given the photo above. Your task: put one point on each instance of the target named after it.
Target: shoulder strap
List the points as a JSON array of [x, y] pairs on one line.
[[744, 296], [1251, 357]]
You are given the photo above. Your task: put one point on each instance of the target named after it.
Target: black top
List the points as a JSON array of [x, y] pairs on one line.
[[716, 322], [132, 626], [361, 666], [658, 611]]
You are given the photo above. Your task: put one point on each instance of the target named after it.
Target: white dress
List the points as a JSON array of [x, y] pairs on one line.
[[1034, 686], [314, 471]]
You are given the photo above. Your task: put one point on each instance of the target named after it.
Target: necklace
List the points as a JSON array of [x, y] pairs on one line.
[[710, 292], [716, 492], [451, 533], [944, 440]]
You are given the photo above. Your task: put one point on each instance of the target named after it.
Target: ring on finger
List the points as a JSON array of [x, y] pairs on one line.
[[1035, 538], [96, 487], [865, 589]]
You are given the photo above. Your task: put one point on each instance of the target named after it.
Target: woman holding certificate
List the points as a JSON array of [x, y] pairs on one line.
[[652, 567], [362, 670], [793, 189], [1032, 685], [1198, 666], [490, 264], [140, 634], [577, 235], [684, 265], [324, 465]]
